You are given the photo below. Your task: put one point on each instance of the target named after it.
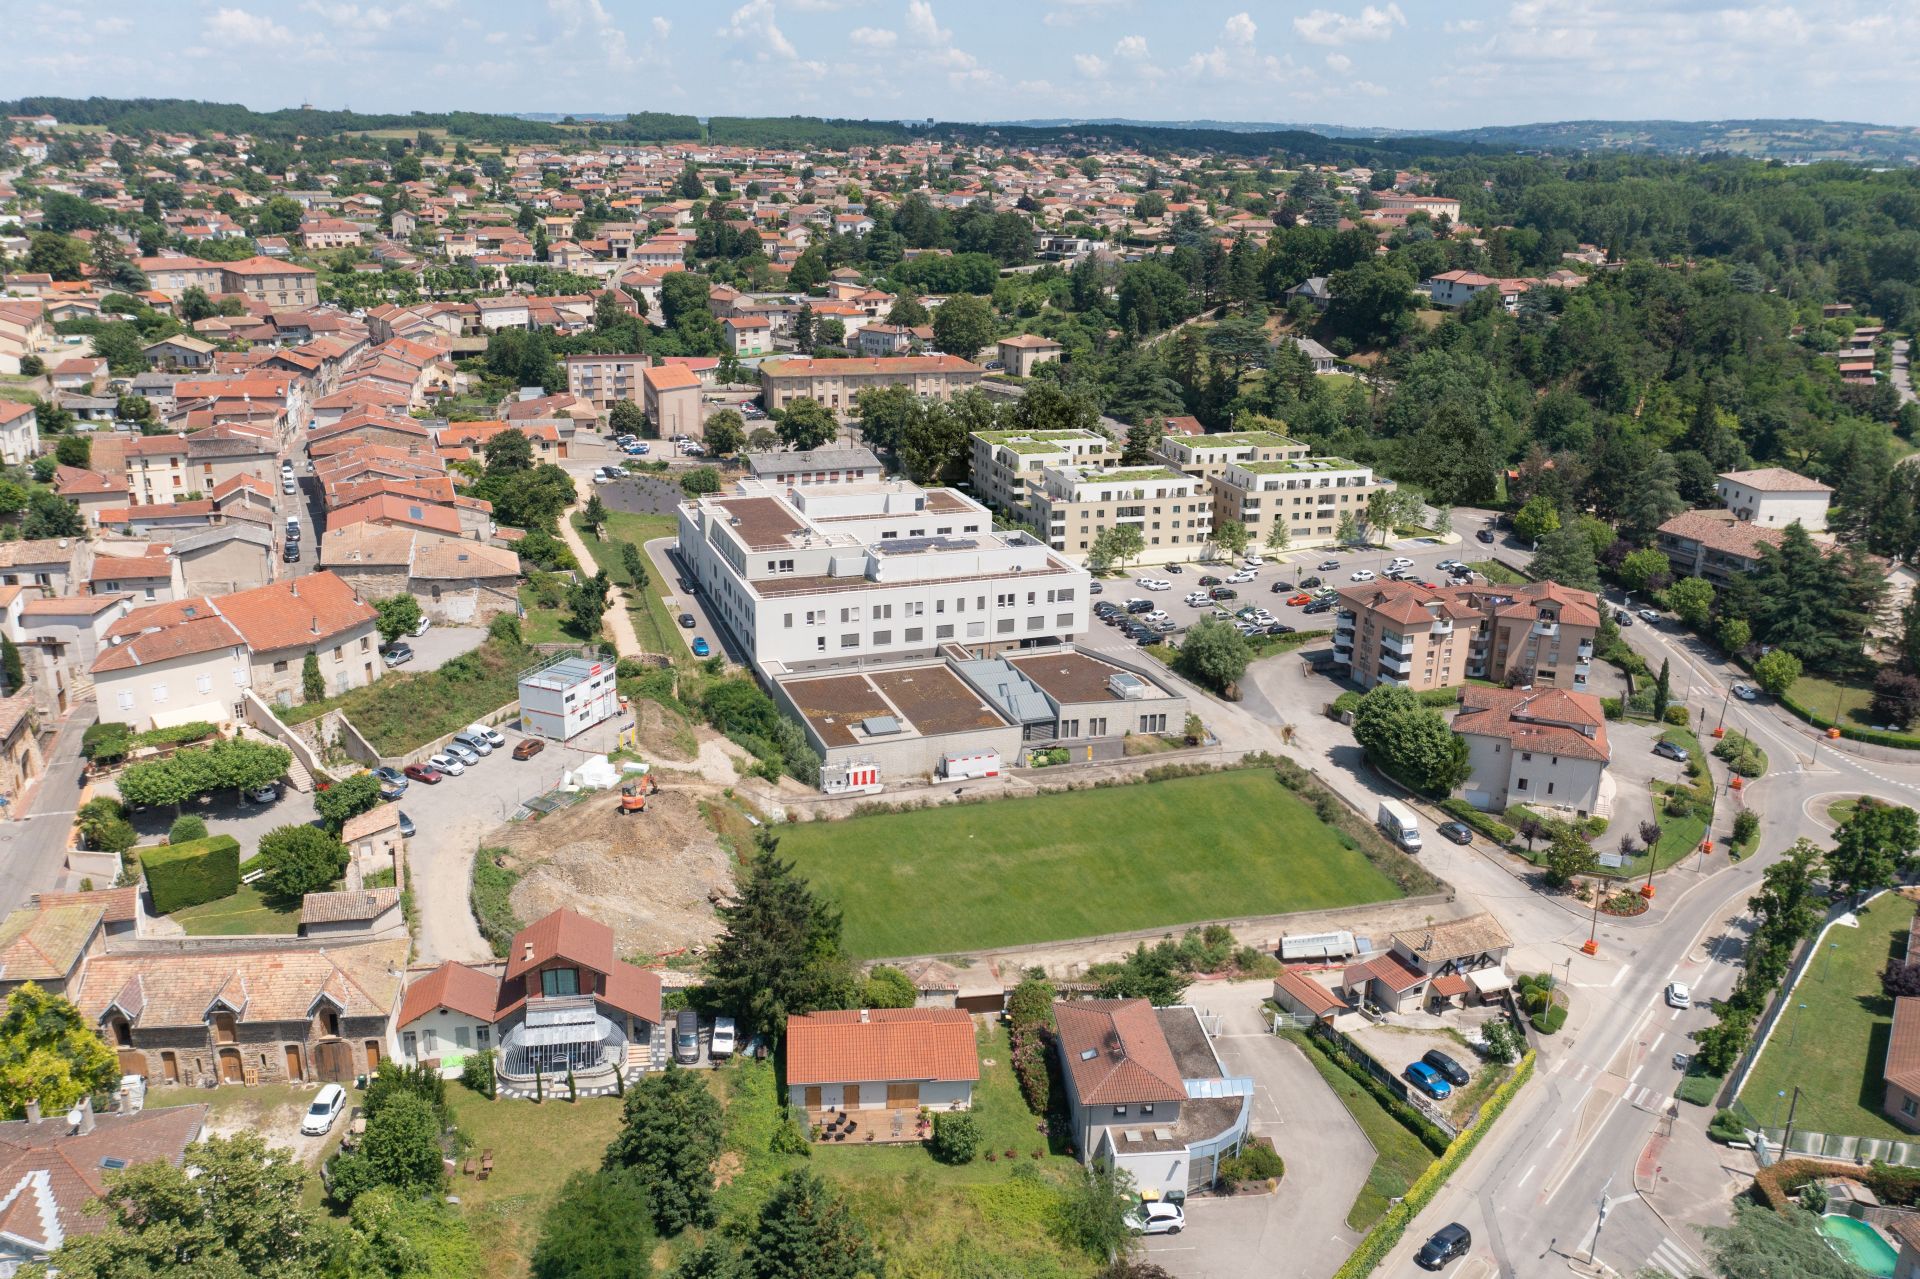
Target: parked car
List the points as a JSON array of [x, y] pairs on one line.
[[1094, 588], [1484, 535], [1283, 587], [686, 1037], [1309, 583], [608, 474], [1242, 576], [1622, 618], [421, 627], [686, 621], [1157, 1218], [448, 763], [1225, 593], [326, 1107], [1327, 566], [1175, 568], [423, 773], [1318, 606], [1198, 599], [1360, 575], [1253, 560], [1138, 605], [398, 654], [1428, 1081], [1649, 614], [264, 794], [1668, 750], [1447, 1245], [724, 1038], [1458, 832], [1301, 600], [1208, 579], [494, 737], [287, 484], [1450, 1070], [391, 779], [1280, 628], [407, 827], [1400, 561], [1746, 692], [478, 743], [1678, 996], [528, 747], [290, 553], [700, 646]]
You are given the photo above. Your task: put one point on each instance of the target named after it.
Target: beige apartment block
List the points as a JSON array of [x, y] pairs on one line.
[[1207, 456], [1540, 635], [1009, 466], [1307, 495], [1173, 512]]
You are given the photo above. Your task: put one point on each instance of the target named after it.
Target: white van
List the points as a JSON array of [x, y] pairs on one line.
[[1396, 819]]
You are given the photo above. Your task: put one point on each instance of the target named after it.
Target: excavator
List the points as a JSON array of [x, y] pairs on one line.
[[634, 795]]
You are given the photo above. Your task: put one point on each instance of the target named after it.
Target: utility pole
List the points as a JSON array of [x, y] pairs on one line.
[[1786, 1138], [1599, 1221], [1592, 946]]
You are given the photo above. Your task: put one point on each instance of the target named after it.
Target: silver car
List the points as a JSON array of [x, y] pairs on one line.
[[449, 763], [458, 750], [473, 742]]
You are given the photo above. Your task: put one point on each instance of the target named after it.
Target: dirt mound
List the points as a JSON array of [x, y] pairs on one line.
[[648, 876]]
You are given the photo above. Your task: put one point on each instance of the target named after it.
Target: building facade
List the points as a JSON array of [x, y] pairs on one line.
[[835, 383], [1775, 497]]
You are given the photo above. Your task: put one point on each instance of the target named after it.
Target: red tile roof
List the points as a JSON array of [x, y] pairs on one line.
[[882, 1045], [1389, 969], [565, 934], [1903, 1045], [1536, 720], [1116, 1052], [1317, 999], [453, 986]]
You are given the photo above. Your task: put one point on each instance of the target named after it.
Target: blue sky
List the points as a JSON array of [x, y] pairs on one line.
[[1404, 64]]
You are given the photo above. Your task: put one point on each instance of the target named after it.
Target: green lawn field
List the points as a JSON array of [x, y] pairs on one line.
[[1080, 863]]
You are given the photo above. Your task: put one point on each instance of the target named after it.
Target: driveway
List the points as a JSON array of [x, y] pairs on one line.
[[442, 643], [667, 569], [225, 815], [1301, 1230]]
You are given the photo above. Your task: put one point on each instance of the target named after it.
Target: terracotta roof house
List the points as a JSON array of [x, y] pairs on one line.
[[1715, 545], [1900, 1099], [45, 944], [1147, 1092], [51, 1171], [1544, 747], [881, 1060], [1435, 965]]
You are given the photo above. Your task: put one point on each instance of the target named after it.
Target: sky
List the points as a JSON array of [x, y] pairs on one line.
[[1397, 64]]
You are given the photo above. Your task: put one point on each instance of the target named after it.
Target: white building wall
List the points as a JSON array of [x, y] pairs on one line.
[[444, 1033], [873, 1096], [135, 694], [1154, 1175], [1486, 786], [1775, 509]]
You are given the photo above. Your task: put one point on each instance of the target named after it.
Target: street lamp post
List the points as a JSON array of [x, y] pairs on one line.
[[1599, 1221], [1592, 946], [1793, 1033], [1786, 1138]]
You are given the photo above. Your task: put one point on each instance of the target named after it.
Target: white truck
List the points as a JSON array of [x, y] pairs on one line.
[[1396, 819]]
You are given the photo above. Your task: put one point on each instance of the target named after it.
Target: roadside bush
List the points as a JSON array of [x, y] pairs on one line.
[[1256, 1161], [1746, 826], [106, 743], [1741, 754], [1030, 1019], [178, 735], [1676, 715], [1726, 1126], [186, 827], [1461, 810], [956, 1138], [1613, 707], [492, 912], [1550, 1021], [193, 873]]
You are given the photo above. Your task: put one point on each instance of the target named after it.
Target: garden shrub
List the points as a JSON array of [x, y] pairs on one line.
[[1726, 1126], [1741, 755], [1746, 825], [1256, 1161], [476, 1071], [1613, 707], [178, 735], [956, 1137], [1677, 716], [492, 912], [106, 743], [192, 873], [185, 828]]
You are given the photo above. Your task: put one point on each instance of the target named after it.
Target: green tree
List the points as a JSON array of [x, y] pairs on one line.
[[1538, 518], [1777, 672], [186, 827], [1662, 689], [1372, 303], [885, 413], [1347, 531], [627, 418], [1213, 655], [670, 1133], [908, 313], [600, 1227], [49, 1053], [1231, 537], [347, 799], [1143, 442], [779, 952], [1814, 604], [956, 1138], [933, 446], [807, 1231], [400, 1148], [1765, 1244], [1114, 545], [636, 565], [1735, 633], [297, 860], [806, 424], [403, 1236], [962, 325], [1566, 556], [1692, 599], [50, 515], [74, 450], [725, 432], [313, 687], [1409, 740], [508, 452], [398, 615], [587, 602], [10, 665], [1277, 534], [1873, 848], [1568, 857], [1644, 569], [595, 515], [231, 1209], [1092, 1214], [888, 987]]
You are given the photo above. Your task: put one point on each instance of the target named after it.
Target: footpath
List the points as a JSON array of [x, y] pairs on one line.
[[626, 642]]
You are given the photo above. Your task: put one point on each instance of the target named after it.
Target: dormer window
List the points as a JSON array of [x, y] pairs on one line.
[[560, 981]]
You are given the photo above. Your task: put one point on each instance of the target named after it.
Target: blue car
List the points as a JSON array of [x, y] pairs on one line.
[[1428, 1081], [700, 647]]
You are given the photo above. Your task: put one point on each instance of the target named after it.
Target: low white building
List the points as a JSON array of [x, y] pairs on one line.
[[447, 1013], [1546, 749], [1775, 497], [881, 1060], [567, 696]]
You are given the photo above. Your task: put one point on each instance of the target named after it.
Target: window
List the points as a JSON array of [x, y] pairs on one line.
[[1549, 788], [1153, 723], [1521, 785], [204, 683], [1119, 1112], [560, 981], [943, 631], [409, 1043], [849, 641], [819, 643], [159, 693], [280, 668], [463, 1036], [1004, 626], [1909, 1107], [1147, 1109], [481, 1034], [1526, 757], [1069, 728], [366, 641], [126, 700], [1063, 621], [338, 651], [914, 634]]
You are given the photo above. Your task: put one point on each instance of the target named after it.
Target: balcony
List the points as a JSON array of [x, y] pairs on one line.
[[1545, 629], [1585, 652], [1400, 666], [1441, 626], [1400, 645]]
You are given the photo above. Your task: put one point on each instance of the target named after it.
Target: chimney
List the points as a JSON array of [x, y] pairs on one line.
[[863, 1016], [293, 587], [85, 1108], [526, 955], [33, 1111]]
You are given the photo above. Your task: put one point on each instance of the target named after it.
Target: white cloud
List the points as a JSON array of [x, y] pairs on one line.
[[874, 37], [823, 6], [922, 26], [1340, 62], [662, 28], [1237, 56], [1240, 29], [753, 23], [237, 26], [1132, 48], [588, 25], [112, 26], [1090, 65], [1324, 26], [1462, 26]]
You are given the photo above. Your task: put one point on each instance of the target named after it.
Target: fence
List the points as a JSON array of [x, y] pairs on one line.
[[1822, 1145], [1353, 1052]]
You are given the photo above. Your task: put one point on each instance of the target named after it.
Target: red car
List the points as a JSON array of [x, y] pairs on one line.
[[1300, 600], [423, 773]]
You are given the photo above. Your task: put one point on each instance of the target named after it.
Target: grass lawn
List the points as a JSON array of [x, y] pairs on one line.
[[247, 911], [406, 710], [1841, 811], [543, 625], [1399, 1156], [1497, 572], [653, 623], [1835, 1047], [1846, 704], [535, 1149], [1016, 871]]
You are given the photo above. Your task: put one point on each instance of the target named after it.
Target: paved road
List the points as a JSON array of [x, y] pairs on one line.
[[33, 850], [1903, 371]]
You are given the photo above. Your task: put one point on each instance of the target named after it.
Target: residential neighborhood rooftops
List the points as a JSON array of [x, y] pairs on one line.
[[454, 986], [1721, 531], [882, 1045], [1549, 720], [354, 905], [43, 943], [51, 1175], [1454, 939]]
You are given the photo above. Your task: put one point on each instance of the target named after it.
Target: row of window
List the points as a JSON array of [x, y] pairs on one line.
[[944, 631]]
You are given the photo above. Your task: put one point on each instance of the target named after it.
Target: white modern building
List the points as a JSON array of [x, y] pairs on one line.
[[847, 576], [1774, 497], [567, 696]]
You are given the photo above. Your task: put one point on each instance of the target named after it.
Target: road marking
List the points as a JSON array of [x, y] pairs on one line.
[[1624, 970], [1672, 1259], [1523, 1176]]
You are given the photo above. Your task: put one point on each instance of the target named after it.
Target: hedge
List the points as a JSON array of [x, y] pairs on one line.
[[178, 735], [1431, 1136], [1872, 736], [1388, 1230], [1498, 832], [189, 874]]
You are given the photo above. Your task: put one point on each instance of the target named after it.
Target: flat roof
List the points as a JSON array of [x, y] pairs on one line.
[[763, 523], [1302, 465], [1131, 475], [1071, 676], [836, 704], [1240, 440], [936, 700]]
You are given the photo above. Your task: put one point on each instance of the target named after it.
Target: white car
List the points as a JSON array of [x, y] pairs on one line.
[[493, 736], [608, 474], [1678, 996], [1199, 599], [724, 1038], [1400, 561], [1234, 579], [1649, 614], [1157, 1218], [1157, 616], [1253, 561], [1159, 584], [447, 764], [1746, 692], [1360, 575], [326, 1107]]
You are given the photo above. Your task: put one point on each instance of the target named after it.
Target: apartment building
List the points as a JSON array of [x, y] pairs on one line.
[[272, 281], [854, 575], [1022, 354], [748, 334], [1173, 511], [1776, 497], [834, 383], [605, 379], [1007, 466], [1538, 635], [1308, 496], [1208, 456], [670, 397], [1544, 747]]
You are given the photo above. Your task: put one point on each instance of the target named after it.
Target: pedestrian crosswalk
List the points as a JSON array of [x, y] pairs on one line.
[[1671, 1259], [1651, 1100]]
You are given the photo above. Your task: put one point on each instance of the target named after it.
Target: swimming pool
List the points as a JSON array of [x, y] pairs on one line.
[[1859, 1243]]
